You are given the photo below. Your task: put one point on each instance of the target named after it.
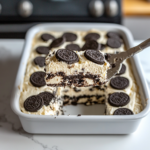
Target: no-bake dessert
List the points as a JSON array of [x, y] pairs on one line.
[[69, 68]]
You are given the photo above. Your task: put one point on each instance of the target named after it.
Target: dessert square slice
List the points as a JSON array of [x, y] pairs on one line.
[[82, 68]]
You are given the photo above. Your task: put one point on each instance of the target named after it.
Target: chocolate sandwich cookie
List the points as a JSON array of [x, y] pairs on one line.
[[122, 70], [47, 97], [72, 47], [92, 36], [40, 61], [45, 37], [42, 50], [67, 56], [91, 44], [113, 43], [115, 36], [118, 99], [70, 37], [94, 56], [119, 83], [37, 79], [33, 103], [123, 111], [57, 42]]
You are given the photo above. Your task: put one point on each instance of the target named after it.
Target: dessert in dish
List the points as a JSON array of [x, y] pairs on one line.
[[120, 95]]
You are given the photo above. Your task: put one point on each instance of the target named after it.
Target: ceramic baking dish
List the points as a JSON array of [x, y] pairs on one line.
[[90, 122]]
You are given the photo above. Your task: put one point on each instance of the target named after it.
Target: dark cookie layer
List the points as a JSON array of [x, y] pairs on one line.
[[94, 56], [42, 50], [46, 37], [70, 37], [72, 47], [122, 70], [113, 34], [57, 42], [37, 79], [118, 99], [47, 97], [33, 103], [92, 36], [40, 61], [123, 111], [113, 43], [67, 56], [119, 83], [91, 44]]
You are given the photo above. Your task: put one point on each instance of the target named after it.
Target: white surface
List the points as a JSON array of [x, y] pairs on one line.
[[74, 124], [13, 137]]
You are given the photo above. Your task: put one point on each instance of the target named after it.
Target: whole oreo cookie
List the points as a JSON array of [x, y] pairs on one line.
[[119, 83], [47, 97], [72, 47], [113, 35], [33, 103], [57, 42], [123, 111], [42, 50], [122, 70], [67, 56], [113, 43], [92, 36], [40, 61], [118, 99], [70, 37], [91, 44], [37, 79], [46, 37], [94, 56]]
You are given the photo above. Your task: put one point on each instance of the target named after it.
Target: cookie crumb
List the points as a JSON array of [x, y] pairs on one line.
[[79, 115]]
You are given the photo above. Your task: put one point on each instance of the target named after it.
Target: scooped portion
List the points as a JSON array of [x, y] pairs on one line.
[[82, 68]]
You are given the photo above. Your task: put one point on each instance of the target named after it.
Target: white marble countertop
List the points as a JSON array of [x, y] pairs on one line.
[[13, 137]]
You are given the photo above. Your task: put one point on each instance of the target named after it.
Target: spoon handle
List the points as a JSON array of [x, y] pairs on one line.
[[138, 48]]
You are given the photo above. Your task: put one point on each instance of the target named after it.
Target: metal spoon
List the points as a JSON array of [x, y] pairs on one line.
[[116, 60]]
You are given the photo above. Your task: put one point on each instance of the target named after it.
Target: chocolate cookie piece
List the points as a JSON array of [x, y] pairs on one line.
[[91, 44], [40, 61], [92, 36], [94, 56], [102, 47], [33, 103], [57, 42], [47, 97], [72, 47], [119, 83], [42, 50], [67, 56], [45, 37], [123, 111], [118, 99], [122, 70], [113, 43], [70, 37], [113, 34], [37, 79]]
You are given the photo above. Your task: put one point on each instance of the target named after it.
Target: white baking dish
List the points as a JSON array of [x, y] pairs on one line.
[[85, 124]]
